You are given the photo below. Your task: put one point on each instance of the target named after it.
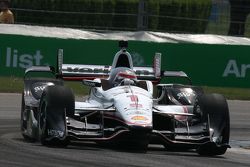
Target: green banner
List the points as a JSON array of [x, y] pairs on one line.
[[211, 65]]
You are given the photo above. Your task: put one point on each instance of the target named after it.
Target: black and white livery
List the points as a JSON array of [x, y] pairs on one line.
[[126, 105]]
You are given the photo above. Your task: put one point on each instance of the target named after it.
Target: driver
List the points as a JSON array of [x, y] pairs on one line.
[[124, 77]]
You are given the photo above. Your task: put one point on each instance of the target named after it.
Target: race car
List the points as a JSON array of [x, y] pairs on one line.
[[126, 105]]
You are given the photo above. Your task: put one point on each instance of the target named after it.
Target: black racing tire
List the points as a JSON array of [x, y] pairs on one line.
[[24, 122], [57, 99], [215, 109]]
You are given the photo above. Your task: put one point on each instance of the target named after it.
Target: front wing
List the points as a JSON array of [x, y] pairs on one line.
[[170, 127]]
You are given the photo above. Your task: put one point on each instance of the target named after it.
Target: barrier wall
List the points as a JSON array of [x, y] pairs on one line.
[[206, 64]]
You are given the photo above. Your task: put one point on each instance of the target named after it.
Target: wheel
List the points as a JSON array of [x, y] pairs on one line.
[[215, 110], [24, 122], [56, 103]]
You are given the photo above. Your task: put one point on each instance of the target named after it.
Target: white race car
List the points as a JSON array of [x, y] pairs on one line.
[[126, 105]]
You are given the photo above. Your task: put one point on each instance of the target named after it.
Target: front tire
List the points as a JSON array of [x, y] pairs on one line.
[[56, 102], [215, 110]]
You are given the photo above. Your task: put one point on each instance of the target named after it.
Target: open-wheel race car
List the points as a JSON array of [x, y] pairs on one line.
[[126, 105]]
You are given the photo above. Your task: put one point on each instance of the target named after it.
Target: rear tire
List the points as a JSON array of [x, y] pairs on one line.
[[215, 109], [56, 103]]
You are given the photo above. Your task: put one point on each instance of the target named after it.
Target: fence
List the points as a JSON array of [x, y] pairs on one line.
[[194, 16], [156, 15]]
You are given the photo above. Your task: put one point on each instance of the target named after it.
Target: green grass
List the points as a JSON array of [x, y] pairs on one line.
[[78, 88], [11, 85], [15, 85], [230, 93]]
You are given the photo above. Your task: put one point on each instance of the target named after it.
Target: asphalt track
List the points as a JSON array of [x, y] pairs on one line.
[[14, 151]]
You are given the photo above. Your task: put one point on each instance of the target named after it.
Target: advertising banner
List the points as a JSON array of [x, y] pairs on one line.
[[206, 64]]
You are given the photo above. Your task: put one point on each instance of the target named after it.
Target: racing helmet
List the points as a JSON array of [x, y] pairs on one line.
[[124, 76]]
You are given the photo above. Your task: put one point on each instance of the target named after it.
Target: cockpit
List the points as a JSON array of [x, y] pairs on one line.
[[122, 76]]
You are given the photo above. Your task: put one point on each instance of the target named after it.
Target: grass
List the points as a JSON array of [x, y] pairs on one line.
[[15, 85], [11, 85], [230, 93]]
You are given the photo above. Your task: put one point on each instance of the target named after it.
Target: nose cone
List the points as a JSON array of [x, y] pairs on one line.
[[136, 115], [134, 106]]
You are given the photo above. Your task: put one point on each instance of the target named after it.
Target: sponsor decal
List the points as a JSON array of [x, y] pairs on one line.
[[55, 133], [141, 111], [184, 94], [234, 69], [136, 105], [91, 83], [101, 70], [22, 60], [133, 98], [139, 118], [41, 86], [138, 122]]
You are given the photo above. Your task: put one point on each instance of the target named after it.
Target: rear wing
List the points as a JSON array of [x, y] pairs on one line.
[[76, 72], [79, 72]]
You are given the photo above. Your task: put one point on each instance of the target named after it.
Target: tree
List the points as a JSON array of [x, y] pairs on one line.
[[239, 11]]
